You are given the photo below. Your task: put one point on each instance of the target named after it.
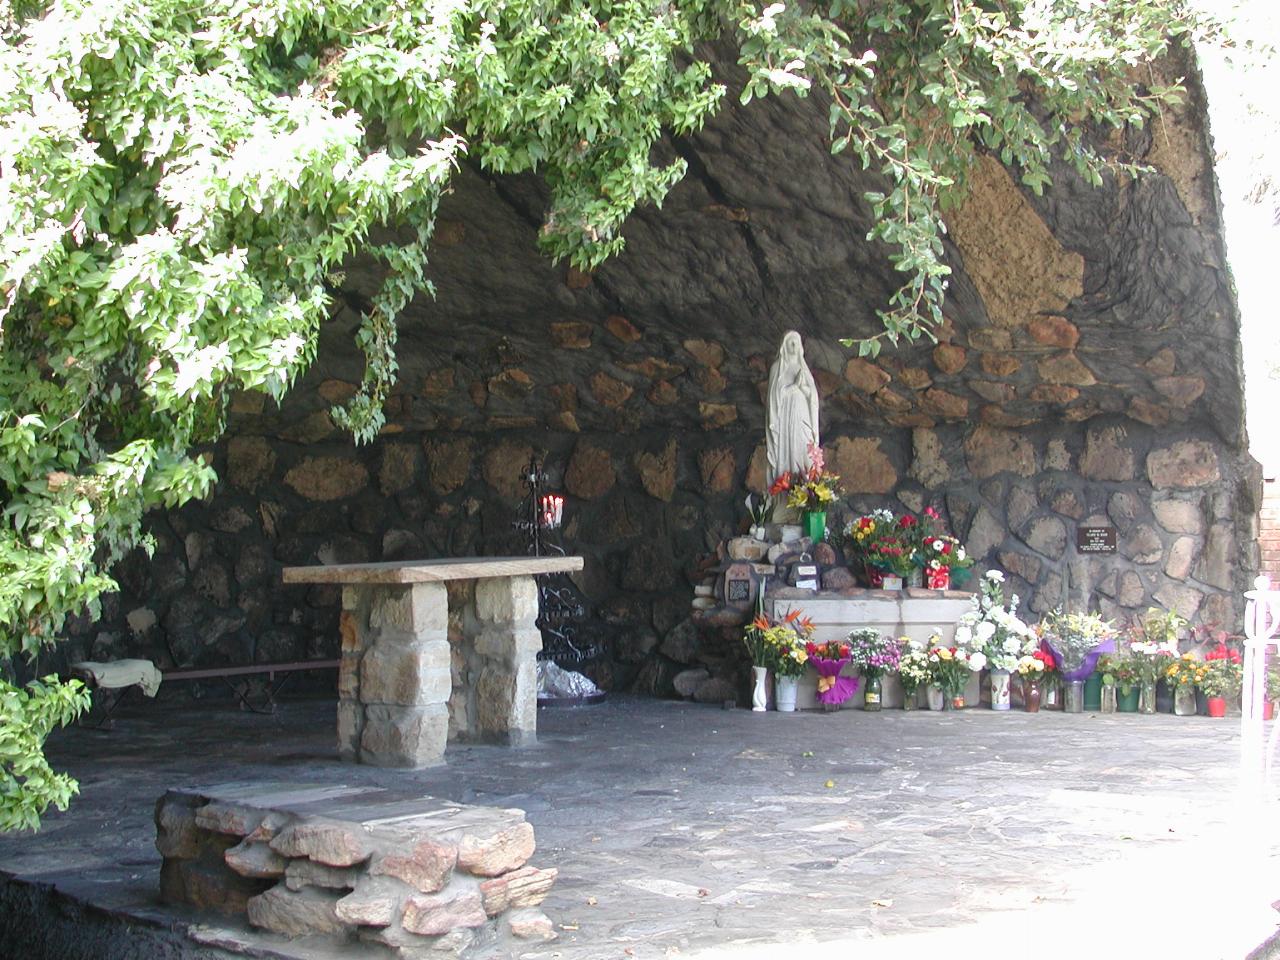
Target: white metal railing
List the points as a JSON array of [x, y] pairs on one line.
[[1261, 627]]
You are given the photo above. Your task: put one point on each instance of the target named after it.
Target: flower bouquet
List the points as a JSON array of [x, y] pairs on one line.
[[1035, 669], [940, 555], [784, 642], [829, 658], [914, 671], [1222, 677], [811, 491], [874, 655], [952, 666], [1184, 674], [1076, 641], [882, 545], [995, 628]]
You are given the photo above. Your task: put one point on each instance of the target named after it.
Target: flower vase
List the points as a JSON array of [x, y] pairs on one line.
[[934, 697], [957, 702], [916, 578], [1051, 696], [815, 525], [1127, 698], [759, 533], [1147, 698], [759, 689], [1093, 691], [1268, 709], [1164, 697], [1184, 701], [1217, 706], [872, 697], [909, 700], [938, 579], [1000, 690], [1073, 699], [784, 693], [1202, 703], [1107, 700], [1031, 695]]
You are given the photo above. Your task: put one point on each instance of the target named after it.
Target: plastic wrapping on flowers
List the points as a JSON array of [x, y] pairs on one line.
[[828, 659], [1076, 641]]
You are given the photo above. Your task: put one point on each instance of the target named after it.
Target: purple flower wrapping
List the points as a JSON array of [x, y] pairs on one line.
[[843, 687], [1090, 659]]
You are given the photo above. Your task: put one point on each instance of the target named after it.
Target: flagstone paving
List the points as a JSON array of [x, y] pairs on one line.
[[688, 830]]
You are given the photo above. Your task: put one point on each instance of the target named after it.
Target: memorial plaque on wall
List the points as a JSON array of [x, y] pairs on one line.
[[741, 582], [1095, 539]]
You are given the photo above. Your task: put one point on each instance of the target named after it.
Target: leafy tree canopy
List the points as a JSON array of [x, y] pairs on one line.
[[180, 184]]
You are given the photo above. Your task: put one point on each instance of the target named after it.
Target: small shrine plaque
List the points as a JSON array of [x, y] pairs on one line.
[[1095, 539], [807, 576], [740, 585]]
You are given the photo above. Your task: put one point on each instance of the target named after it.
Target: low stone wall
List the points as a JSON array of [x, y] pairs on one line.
[[353, 864]]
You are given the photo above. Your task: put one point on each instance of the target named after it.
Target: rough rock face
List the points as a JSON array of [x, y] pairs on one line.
[[1101, 360]]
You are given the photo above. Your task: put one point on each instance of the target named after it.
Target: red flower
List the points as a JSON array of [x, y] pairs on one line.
[[781, 485], [907, 520]]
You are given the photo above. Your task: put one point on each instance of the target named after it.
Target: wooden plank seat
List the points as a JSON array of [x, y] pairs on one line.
[[110, 688]]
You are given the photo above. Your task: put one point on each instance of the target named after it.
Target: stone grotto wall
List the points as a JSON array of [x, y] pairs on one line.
[[1089, 373]]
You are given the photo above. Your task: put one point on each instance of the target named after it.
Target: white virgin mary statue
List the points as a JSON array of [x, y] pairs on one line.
[[791, 418]]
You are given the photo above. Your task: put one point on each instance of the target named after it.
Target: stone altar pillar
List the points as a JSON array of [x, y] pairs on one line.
[[509, 640]]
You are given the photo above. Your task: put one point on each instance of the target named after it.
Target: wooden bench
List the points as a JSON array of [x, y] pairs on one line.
[[107, 698]]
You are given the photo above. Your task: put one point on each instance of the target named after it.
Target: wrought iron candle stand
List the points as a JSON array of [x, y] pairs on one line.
[[561, 605]]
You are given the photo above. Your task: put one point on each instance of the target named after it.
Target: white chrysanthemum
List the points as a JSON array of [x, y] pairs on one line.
[[995, 576], [984, 631], [977, 661]]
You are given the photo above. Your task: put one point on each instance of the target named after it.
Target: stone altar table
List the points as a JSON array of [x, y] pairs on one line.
[[395, 678]]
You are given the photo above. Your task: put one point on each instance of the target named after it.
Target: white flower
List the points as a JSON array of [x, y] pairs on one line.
[[1011, 645], [1018, 626], [995, 576], [963, 635], [960, 553], [985, 631], [977, 661], [937, 545]]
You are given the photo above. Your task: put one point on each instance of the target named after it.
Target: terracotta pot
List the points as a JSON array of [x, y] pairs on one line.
[[1217, 706]]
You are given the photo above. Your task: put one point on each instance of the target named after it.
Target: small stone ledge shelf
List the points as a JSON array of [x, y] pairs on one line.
[[415, 875]]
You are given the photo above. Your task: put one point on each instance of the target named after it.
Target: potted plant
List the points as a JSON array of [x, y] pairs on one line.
[[913, 670], [1076, 641], [874, 655], [829, 659], [811, 492], [1222, 677], [1033, 668], [995, 629]]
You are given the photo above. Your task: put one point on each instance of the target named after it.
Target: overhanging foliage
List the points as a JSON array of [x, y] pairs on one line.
[[181, 183]]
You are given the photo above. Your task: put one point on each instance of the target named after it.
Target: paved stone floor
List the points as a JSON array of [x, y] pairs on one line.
[[683, 830]]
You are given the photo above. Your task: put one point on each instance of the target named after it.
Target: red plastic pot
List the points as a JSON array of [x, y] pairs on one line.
[[1217, 706], [1268, 710]]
